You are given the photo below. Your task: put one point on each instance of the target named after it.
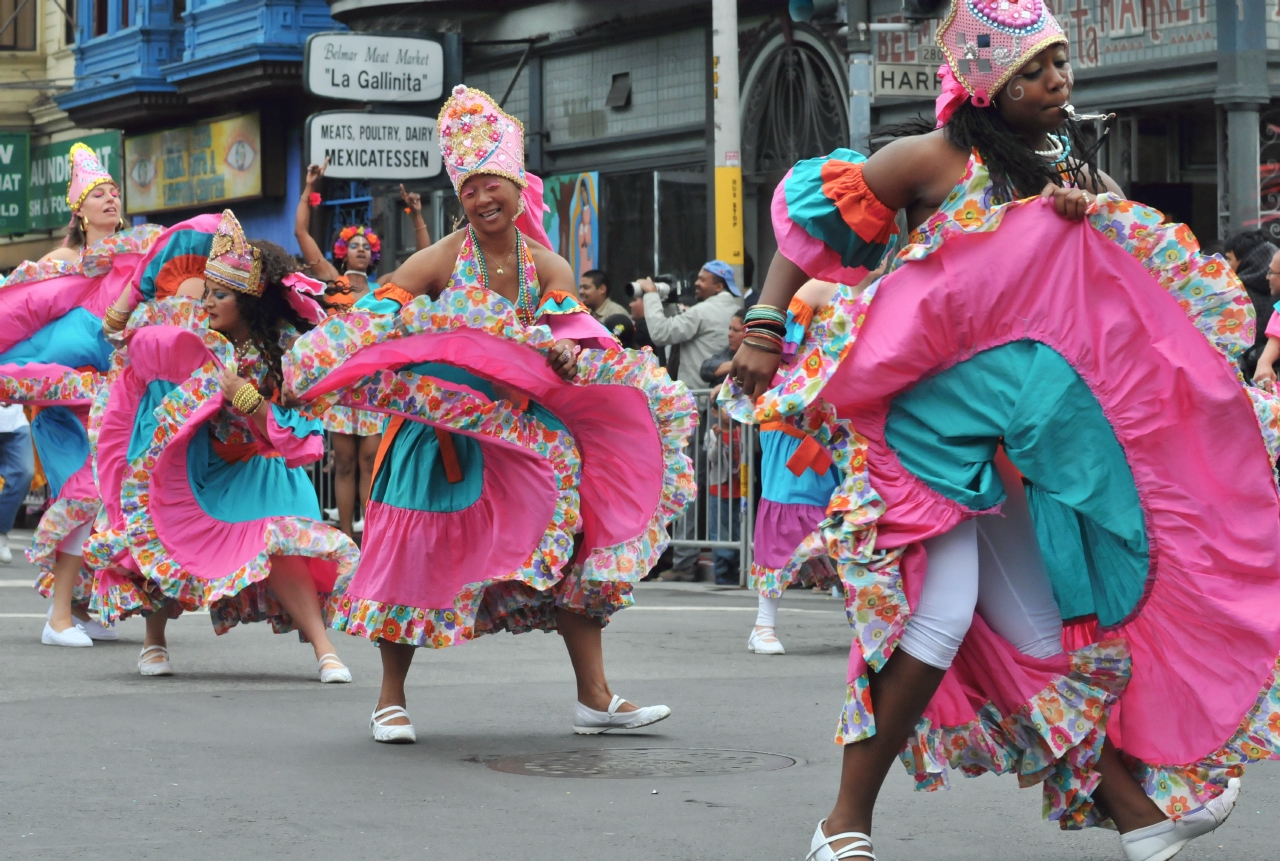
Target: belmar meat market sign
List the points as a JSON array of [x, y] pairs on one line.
[[365, 68]]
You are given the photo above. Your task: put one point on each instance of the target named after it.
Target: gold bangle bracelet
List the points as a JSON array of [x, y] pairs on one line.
[[247, 399]]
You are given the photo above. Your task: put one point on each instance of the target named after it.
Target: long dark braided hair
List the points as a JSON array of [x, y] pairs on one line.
[[267, 315], [1016, 171]]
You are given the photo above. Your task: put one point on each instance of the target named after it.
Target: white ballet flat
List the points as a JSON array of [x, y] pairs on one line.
[[73, 636], [1162, 841], [591, 722], [392, 733], [97, 631], [820, 847], [161, 667], [333, 675], [765, 643]]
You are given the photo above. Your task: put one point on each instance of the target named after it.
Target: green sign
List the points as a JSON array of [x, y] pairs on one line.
[[15, 150], [51, 171]]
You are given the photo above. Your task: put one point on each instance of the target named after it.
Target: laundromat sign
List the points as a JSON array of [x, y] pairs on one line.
[[360, 67]]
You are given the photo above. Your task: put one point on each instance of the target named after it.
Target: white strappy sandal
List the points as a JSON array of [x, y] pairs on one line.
[[333, 675], [820, 847], [392, 733], [161, 667]]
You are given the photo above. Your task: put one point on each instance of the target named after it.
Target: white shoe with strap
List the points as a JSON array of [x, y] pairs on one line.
[[1162, 841], [335, 673], [764, 641], [588, 721], [148, 667], [389, 733], [820, 847]]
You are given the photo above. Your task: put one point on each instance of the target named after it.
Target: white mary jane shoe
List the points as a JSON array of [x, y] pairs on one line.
[[333, 675], [161, 667], [820, 847], [392, 733], [591, 722], [73, 636], [765, 642], [1162, 841]]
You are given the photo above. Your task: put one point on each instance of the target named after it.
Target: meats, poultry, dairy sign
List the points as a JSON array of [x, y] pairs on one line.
[[359, 67]]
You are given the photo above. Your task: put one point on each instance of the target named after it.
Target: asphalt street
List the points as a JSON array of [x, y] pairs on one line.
[[243, 754]]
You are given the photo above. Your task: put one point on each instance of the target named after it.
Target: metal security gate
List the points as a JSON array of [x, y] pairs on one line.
[[722, 516]]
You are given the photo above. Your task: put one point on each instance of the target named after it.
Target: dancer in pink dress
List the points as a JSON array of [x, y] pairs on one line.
[[53, 357], [200, 460], [1071, 357], [530, 467]]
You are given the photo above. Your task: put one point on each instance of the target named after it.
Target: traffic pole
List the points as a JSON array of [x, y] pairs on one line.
[[728, 134]]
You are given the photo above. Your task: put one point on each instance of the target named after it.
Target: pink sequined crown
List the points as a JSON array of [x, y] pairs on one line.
[[987, 41], [233, 262], [87, 173], [477, 136]]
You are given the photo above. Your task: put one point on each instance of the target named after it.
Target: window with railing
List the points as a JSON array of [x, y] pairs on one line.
[[17, 25]]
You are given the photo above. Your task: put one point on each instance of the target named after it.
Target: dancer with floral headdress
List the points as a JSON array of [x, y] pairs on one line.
[[1072, 357], [53, 358], [496, 500], [200, 461], [354, 434]]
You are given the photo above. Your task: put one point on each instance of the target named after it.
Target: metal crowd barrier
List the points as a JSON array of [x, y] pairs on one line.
[[722, 517]]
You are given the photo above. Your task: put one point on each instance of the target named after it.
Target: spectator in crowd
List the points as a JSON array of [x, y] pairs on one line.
[[1249, 253], [593, 290], [1265, 374], [623, 328], [17, 468], [723, 442], [701, 331], [715, 369]]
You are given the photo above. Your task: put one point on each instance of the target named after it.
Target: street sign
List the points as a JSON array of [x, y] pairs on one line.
[[359, 67], [367, 146], [15, 177], [909, 80]]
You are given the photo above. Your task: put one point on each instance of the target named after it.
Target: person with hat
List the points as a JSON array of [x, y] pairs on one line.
[[700, 331], [208, 507], [53, 358], [488, 510], [1044, 349]]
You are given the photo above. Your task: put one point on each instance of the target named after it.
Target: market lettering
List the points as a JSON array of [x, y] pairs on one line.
[[387, 81], [360, 157], [335, 52], [373, 55]]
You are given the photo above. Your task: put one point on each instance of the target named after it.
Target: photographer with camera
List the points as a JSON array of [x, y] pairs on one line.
[[701, 331]]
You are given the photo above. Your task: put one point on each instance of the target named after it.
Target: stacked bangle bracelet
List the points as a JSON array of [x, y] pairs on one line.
[[246, 400], [765, 327], [114, 320]]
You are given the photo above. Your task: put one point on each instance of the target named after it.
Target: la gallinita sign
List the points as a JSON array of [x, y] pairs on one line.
[[362, 68]]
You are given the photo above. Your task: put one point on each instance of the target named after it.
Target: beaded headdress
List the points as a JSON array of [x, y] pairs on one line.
[[987, 41], [477, 136], [87, 173], [233, 262]]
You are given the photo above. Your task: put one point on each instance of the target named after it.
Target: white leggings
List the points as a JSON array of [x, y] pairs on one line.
[[992, 564]]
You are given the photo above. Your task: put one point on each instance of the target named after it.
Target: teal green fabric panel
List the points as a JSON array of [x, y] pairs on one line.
[[946, 429], [179, 244], [299, 425], [144, 422], [369, 302], [238, 492], [817, 215], [74, 339], [412, 474], [61, 442]]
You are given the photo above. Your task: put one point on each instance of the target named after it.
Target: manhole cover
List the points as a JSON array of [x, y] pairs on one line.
[[641, 762]]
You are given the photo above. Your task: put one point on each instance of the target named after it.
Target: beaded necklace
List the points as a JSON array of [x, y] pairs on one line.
[[524, 297]]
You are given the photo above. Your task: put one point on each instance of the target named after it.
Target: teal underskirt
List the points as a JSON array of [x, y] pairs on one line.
[[74, 340], [62, 443], [229, 492], [412, 475], [1088, 518]]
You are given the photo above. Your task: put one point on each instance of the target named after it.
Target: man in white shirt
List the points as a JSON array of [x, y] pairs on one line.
[[701, 331], [17, 467]]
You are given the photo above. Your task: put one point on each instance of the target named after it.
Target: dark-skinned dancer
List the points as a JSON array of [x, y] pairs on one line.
[[493, 504], [1039, 342]]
